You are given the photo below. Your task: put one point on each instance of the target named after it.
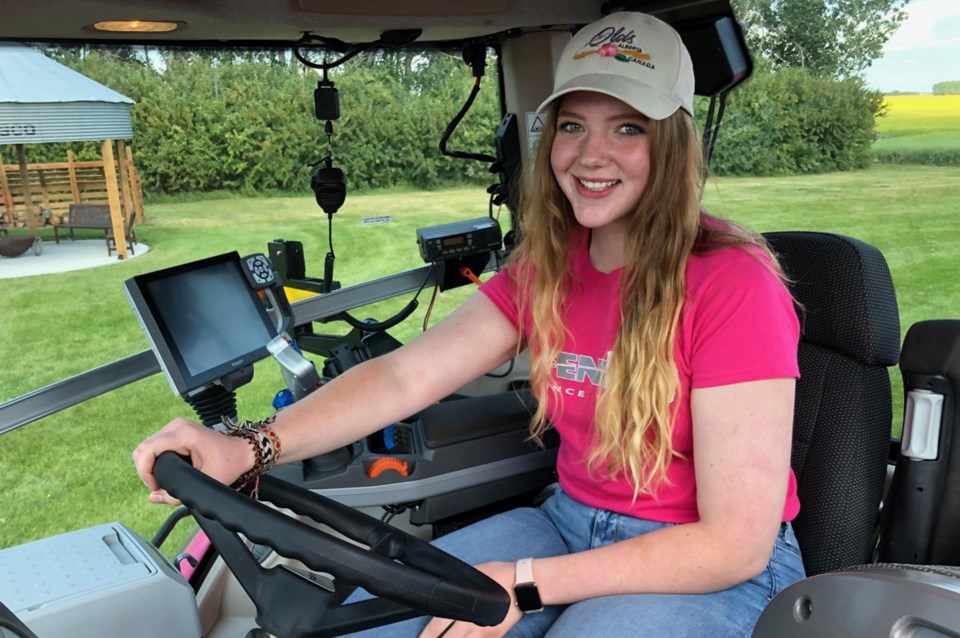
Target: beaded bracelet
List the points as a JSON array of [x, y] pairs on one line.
[[266, 448]]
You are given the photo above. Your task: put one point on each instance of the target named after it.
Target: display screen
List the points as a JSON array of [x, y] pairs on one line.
[[453, 241], [202, 319]]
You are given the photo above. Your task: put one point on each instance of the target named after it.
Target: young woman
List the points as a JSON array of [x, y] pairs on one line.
[[663, 351]]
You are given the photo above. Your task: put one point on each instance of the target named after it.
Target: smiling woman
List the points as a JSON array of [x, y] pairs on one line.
[[601, 152]]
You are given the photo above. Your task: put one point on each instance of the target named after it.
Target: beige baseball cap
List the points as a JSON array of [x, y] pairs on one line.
[[633, 57]]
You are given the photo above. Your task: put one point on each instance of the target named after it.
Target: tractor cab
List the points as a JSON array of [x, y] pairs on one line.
[[878, 515]]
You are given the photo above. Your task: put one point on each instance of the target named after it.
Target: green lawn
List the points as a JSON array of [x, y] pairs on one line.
[[73, 469]]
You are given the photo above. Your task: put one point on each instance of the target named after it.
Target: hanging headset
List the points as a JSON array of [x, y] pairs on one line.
[[328, 181]]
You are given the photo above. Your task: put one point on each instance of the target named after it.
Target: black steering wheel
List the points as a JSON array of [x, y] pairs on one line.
[[409, 577]]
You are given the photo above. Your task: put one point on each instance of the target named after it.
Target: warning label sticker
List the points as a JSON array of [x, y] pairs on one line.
[[535, 124]]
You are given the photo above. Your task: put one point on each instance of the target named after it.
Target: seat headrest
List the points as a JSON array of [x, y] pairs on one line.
[[845, 288]]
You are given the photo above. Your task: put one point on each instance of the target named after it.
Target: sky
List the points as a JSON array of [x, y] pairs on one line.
[[924, 50]]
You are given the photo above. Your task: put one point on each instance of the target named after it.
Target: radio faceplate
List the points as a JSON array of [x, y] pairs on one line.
[[459, 239]]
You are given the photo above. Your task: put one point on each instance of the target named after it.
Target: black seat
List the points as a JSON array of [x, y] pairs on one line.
[[921, 509], [850, 336]]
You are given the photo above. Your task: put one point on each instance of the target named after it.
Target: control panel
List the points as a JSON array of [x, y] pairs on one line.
[[456, 456]]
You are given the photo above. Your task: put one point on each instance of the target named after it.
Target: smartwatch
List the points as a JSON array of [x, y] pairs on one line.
[[525, 588]]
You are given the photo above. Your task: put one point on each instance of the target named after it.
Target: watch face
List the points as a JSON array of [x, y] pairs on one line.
[[528, 597]]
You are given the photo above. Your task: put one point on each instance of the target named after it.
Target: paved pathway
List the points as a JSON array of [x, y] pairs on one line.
[[67, 255]]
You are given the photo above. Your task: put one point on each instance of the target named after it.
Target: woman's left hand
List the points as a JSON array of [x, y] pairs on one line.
[[503, 573]]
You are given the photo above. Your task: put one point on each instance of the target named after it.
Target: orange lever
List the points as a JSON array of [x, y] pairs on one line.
[[385, 463], [466, 272]]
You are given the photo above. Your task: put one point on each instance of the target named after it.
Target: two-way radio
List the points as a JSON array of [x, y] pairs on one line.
[[459, 239]]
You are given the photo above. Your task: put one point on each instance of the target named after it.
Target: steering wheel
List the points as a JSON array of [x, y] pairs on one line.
[[409, 576]]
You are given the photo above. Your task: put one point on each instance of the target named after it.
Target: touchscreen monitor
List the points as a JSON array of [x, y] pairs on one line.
[[202, 319]]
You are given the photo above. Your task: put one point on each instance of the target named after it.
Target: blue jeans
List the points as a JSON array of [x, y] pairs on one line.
[[562, 526]]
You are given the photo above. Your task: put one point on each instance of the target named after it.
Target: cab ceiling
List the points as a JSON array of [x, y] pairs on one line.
[[281, 22]]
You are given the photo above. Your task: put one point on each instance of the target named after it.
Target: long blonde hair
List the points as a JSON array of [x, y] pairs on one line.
[[636, 405]]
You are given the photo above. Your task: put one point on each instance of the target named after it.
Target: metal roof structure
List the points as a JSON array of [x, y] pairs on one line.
[[44, 101]]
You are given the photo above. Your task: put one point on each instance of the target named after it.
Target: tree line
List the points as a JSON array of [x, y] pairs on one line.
[[243, 121], [947, 88]]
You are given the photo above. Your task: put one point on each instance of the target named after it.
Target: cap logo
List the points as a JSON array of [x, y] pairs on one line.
[[617, 43]]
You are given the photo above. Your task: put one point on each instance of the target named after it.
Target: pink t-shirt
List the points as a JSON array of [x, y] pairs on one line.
[[738, 324]]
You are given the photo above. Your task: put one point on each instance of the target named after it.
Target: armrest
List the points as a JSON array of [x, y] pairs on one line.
[[476, 417]]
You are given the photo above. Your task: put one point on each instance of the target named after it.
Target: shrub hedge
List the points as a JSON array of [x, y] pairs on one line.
[[918, 150], [207, 121], [790, 122]]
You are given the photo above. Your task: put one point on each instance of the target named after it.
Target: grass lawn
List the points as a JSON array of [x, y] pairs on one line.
[[73, 469]]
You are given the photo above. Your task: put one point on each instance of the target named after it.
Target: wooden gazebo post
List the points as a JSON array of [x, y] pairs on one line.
[[135, 189], [125, 194], [7, 197], [27, 194], [113, 196]]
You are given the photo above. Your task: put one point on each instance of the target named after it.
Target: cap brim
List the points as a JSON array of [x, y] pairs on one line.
[[640, 96]]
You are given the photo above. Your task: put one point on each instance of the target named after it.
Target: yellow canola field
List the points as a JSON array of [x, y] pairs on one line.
[[920, 113]]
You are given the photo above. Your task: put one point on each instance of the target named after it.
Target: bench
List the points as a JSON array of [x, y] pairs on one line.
[[95, 217]]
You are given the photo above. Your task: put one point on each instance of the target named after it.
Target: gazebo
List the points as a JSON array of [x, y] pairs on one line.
[[43, 101]]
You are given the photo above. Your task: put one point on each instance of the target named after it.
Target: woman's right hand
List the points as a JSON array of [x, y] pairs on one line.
[[222, 457]]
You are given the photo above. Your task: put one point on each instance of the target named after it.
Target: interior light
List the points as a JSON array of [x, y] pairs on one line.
[[137, 26]]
